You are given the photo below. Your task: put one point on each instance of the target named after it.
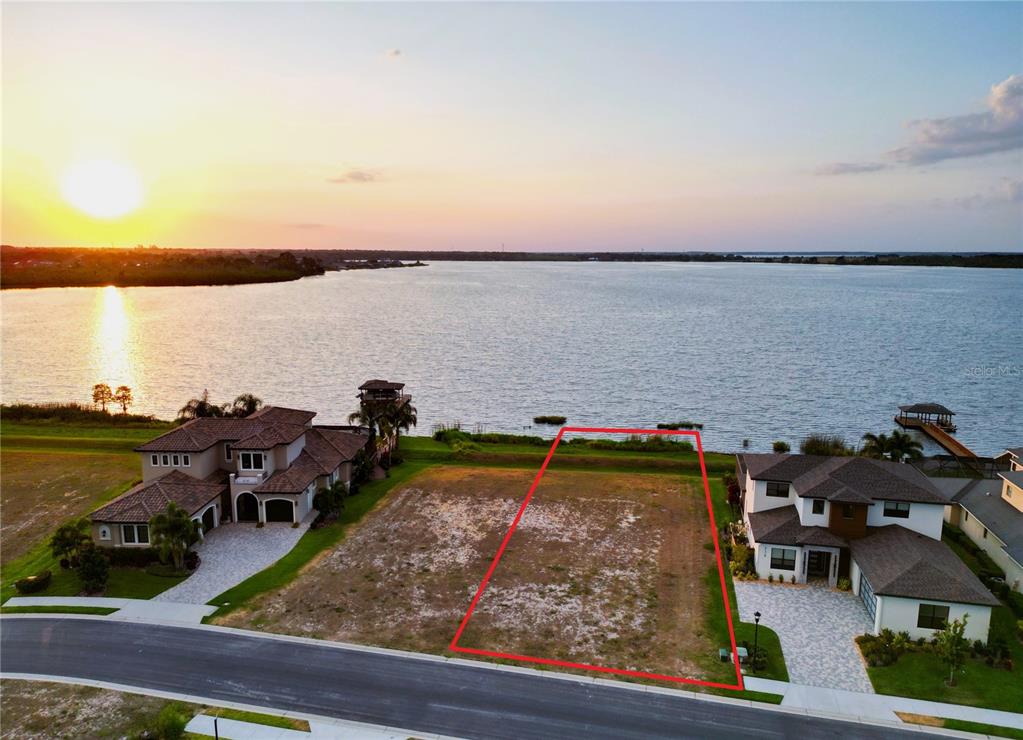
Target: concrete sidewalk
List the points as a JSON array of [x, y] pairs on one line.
[[231, 729], [876, 706], [128, 609]]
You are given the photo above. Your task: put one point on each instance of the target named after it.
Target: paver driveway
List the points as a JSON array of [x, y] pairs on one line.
[[230, 554], [816, 627]]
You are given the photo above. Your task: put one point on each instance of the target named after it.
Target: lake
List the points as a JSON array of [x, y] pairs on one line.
[[752, 351]]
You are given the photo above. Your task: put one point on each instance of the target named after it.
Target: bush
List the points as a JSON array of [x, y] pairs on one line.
[[770, 577], [260, 525], [192, 560], [450, 436], [792, 579], [1015, 602], [844, 584], [554, 420], [33, 584], [93, 569], [494, 438], [69, 412], [681, 425], [170, 723], [883, 649], [825, 444], [780, 446], [132, 557], [461, 447]]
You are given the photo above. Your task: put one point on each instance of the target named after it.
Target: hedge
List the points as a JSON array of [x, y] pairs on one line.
[[32, 584], [132, 557]]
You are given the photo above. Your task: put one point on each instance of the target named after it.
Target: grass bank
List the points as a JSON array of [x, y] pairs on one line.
[[101, 610]]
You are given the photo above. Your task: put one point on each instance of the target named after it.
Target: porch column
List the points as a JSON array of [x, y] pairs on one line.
[[261, 511]]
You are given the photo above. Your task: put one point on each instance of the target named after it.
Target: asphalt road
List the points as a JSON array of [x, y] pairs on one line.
[[391, 690]]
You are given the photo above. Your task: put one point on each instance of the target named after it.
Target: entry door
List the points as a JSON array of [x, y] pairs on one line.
[[820, 563]]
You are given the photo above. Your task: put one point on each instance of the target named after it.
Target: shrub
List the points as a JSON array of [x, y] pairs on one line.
[[1015, 602], [449, 436], [93, 569], [260, 525], [463, 447], [170, 723], [780, 446], [793, 578], [681, 425], [844, 584], [742, 556], [69, 412], [825, 444], [553, 420], [132, 557], [883, 649], [770, 577], [494, 438], [192, 560], [33, 584]]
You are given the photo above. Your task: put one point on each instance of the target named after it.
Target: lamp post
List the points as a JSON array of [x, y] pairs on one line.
[[756, 634]]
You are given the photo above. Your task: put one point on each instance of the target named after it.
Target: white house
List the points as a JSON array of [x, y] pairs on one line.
[[875, 522]]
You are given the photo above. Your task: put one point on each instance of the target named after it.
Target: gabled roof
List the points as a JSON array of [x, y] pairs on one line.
[[1015, 477], [324, 451], [926, 408], [845, 479], [781, 527], [283, 415], [197, 435], [270, 436], [1016, 452], [146, 500], [380, 385], [983, 499], [899, 562]]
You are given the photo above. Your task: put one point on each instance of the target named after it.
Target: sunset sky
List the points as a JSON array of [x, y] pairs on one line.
[[535, 126]]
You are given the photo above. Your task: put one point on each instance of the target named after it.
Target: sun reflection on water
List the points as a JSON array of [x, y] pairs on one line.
[[112, 340]]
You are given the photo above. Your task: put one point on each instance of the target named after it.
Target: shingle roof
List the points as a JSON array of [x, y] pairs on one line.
[[1016, 452], [900, 562], [201, 434], [926, 408], [1015, 477], [781, 527], [983, 499], [845, 479], [380, 385], [146, 500]]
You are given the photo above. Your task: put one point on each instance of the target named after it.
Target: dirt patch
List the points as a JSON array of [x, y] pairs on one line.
[[604, 568]]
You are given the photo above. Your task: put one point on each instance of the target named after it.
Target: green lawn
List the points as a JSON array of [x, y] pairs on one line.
[[56, 610], [922, 675], [982, 729], [313, 542]]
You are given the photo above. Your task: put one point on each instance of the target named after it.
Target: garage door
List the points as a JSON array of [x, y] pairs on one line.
[[867, 594], [278, 510]]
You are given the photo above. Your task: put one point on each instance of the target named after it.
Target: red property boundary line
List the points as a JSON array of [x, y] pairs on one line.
[[738, 686]]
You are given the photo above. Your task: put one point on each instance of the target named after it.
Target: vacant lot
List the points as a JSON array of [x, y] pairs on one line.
[[42, 489], [604, 568]]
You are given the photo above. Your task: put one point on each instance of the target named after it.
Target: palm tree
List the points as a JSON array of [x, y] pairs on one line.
[[245, 405], [198, 408], [172, 533], [69, 539], [401, 418], [367, 415], [902, 446], [875, 445]]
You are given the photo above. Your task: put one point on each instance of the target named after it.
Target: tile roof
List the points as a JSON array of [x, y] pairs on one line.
[[845, 479], [324, 451], [270, 436], [380, 385], [781, 527], [146, 500], [295, 479], [201, 434], [900, 562]]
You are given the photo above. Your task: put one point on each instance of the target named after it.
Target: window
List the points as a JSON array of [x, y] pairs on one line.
[[166, 459], [104, 532], [783, 559], [154, 459], [135, 534], [847, 511], [176, 459], [966, 515], [186, 461], [932, 617], [251, 460], [896, 509], [777, 489], [227, 452], [818, 506]]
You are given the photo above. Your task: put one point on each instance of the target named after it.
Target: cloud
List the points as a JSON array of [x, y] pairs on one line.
[[357, 176], [933, 140], [1007, 192], [849, 168]]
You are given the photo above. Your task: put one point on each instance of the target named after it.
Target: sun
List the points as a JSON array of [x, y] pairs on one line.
[[102, 188]]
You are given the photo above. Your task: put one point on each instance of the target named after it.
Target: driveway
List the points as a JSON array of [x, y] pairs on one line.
[[230, 554], [816, 627]]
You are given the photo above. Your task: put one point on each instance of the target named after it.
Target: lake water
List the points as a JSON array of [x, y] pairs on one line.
[[758, 352]]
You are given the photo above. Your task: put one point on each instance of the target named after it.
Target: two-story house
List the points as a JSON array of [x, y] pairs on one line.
[[875, 522], [266, 468]]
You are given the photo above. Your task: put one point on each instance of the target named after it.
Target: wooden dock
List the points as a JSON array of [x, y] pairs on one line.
[[945, 440]]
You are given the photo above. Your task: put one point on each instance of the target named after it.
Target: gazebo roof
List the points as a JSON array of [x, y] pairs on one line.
[[927, 408]]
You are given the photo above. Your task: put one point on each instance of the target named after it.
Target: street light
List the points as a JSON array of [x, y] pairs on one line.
[[756, 634]]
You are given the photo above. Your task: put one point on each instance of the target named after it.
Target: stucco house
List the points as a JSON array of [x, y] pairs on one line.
[[990, 512], [875, 522], [266, 467]]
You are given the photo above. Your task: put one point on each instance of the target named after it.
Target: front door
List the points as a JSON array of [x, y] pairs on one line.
[[819, 564]]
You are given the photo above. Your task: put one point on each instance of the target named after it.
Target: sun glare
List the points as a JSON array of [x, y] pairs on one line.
[[102, 189]]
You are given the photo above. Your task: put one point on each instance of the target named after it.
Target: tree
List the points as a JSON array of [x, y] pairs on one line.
[[93, 568], [172, 533], [902, 445], [401, 417], [102, 395], [952, 646], [366, 416], [123, 396], [245, 405], [202, 407], [330, 502], [69, 539], [875, 445]]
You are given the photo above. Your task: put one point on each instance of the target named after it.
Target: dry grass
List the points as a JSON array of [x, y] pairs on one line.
[[43, 489], [604, 568]]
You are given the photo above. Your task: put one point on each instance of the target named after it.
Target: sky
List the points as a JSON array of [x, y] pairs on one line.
[[538, 127]]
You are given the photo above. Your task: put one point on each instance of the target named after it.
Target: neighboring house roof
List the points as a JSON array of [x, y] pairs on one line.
[[899, 562], [146, 500], [1016, 452], [380, 385], [198, 435], [781, 527], [324, 451], [1015, 477], [845, 479], [926, 408], [983, 499]]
